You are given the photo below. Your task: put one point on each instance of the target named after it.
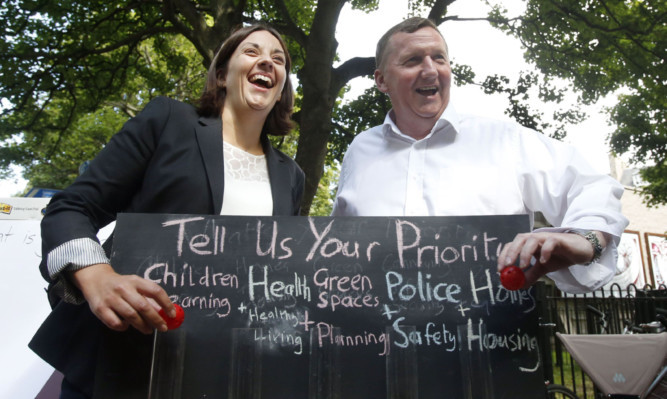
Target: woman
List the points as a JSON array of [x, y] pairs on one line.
[[168, 159]]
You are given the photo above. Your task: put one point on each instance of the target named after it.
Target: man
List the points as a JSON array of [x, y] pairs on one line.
[[428, 160]]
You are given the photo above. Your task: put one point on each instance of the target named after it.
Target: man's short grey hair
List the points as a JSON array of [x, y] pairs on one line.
[[410, 25]]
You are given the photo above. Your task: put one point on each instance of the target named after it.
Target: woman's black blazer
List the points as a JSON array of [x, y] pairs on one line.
[[167, 159]]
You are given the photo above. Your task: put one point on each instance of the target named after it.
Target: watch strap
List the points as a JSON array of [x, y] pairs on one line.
[[593, 239]]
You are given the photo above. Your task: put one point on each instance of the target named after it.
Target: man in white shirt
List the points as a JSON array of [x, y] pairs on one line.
[[428, 160]]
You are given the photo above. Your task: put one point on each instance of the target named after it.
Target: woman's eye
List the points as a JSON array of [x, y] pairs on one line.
[[279, 60]]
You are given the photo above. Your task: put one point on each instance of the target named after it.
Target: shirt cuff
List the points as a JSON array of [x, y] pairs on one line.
[[72, 255], [581, 279]]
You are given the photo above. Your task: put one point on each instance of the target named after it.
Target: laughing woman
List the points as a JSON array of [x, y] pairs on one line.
[[171, 158]]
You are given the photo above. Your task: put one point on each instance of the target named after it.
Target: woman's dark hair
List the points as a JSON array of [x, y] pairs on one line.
[[279, 121]]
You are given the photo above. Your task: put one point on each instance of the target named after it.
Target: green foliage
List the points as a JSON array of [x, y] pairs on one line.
[[420, 7], [60, 156], [73, 70], [519, 99], [637, 127], [71, 52], [463, 74], [601, 47], [657, 189], [362, 113], [66, 125], [642, 131], [81, 60], [365, 5], [326, 191], [569, 373], [88, 66]]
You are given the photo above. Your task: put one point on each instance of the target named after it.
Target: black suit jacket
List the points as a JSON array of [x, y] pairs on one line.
[[167, 159]]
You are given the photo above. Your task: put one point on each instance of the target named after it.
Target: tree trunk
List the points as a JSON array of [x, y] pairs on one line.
[[318, 100]]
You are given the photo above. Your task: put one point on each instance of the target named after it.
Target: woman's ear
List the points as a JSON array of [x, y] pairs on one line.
[[221, 81]]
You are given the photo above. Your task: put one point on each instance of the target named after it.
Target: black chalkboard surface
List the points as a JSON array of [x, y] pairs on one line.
[[320, 307]]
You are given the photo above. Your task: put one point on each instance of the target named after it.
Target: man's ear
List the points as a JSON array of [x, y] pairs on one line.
[[379, 81]]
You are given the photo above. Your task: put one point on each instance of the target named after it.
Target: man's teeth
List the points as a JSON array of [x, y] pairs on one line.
[[268, 82], [428, 90]]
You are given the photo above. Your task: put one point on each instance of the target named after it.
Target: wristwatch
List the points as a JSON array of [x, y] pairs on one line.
[[593, 239]]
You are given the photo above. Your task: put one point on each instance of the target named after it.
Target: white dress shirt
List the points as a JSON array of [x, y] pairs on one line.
[[470, 165]]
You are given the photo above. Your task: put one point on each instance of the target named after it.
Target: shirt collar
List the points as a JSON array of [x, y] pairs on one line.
[[449, 119]]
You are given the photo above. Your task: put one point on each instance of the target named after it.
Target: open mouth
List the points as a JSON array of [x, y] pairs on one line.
[[261, 80], [428, 90]]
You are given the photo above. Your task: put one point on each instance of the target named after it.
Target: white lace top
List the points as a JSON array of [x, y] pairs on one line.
[[247, 188]]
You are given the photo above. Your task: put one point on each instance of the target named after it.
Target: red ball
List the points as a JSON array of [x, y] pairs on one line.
[[175, 322], [512, 278]]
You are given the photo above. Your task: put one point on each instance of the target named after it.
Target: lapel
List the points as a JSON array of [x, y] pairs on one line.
[[209, 139], [280, 178]]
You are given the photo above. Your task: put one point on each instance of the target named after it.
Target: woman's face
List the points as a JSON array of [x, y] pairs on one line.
[[256, 73]]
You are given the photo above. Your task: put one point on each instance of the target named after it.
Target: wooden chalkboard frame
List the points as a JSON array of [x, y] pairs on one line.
[[369, 307]]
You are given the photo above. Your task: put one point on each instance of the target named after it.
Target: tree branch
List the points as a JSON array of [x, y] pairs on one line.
[[439, 10], [620, 27], [289, 27], [350, 69], [129, 109], [188, 10]]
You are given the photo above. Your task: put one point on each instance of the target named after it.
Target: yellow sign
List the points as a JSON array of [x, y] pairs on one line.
[[5, 208]]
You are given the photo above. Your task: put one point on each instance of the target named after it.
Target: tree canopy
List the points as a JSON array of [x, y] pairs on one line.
[[74, 70], [608, 47]]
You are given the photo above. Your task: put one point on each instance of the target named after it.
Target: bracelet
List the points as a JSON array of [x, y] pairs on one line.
[[593, 239]]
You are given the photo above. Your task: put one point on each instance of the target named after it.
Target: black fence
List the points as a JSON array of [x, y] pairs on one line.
[[607, 311]]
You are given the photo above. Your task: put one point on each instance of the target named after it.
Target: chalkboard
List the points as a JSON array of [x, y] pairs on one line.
[[307, 307]]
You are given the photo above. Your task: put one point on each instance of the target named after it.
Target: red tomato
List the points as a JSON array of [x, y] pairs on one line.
[[512, 278], [176, 321]]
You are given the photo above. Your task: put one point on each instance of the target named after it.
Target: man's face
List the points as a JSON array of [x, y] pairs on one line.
[[417, 77]]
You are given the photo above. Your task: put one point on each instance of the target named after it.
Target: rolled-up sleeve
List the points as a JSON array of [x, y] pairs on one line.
[[560, 183], [70, 256]]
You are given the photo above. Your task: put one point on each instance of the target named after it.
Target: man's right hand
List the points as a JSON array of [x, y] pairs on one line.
[[120, 301]]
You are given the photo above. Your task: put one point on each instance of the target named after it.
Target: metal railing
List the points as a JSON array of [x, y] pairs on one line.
[[600, 312]]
